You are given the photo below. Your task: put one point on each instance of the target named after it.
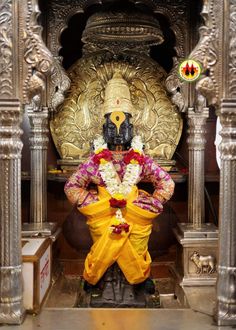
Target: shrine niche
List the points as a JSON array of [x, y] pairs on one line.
[[34, 80], [113, 46]]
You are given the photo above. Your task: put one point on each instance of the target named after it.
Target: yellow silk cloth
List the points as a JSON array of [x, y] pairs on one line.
[[129, 250]]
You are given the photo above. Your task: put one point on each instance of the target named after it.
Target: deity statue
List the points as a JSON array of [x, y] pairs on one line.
[[119, 215]]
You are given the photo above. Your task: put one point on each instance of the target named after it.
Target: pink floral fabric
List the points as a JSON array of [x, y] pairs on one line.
[[76, 188]]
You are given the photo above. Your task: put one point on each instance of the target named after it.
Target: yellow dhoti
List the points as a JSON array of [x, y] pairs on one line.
[[129, 250]]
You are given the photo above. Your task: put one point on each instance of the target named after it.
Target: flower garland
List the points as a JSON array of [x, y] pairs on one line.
[[118, 190], [119, 224]]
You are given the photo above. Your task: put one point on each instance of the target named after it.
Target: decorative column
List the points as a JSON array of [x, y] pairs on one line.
[[196, 238], [11, 283], [196, 142], [38, 148], [11, 306], [226, 285]]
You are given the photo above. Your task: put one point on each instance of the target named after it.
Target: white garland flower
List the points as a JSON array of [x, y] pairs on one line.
[[99, 143], [109, 174], [137, 143], [112, 180]]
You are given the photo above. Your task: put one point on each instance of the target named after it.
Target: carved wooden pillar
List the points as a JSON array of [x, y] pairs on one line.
[[196, 143], [38, 148], [11, 301], [11, 310], [196, 236], [38, 65], [226, 285]]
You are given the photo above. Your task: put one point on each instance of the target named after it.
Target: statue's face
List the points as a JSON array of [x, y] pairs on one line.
[[114, 139]]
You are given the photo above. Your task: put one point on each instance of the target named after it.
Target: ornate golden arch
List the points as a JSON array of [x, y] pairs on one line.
[[79, 119]]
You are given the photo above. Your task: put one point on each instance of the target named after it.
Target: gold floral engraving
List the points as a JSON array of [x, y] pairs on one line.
[[79, 119]]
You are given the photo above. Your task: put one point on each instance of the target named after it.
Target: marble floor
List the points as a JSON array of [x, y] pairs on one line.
[[64, 293], [194, 312], [59, 311], [117, 319]]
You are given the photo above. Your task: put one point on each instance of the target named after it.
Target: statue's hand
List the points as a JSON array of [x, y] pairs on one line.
[[92, 197], [148, 202]]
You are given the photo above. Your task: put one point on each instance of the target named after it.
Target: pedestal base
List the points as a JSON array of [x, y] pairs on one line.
[[196, 254], [36, 229], [113, 291]]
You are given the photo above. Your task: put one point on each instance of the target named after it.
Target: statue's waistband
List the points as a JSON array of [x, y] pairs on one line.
[[132, 213]]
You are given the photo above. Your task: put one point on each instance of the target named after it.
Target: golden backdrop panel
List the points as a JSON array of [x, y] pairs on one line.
[[79, 119]]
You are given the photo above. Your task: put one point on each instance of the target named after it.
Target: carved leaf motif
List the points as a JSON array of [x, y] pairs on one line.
[[232, 51], [6, 63], [207, 50], [40, 64]]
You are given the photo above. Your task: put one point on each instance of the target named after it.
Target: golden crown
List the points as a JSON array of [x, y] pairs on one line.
[[117, 95]]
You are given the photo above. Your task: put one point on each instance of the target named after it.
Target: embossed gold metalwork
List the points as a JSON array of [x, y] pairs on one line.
[[133, 27], [117, 117], [117, 95], [176, 13], [80, 117]]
